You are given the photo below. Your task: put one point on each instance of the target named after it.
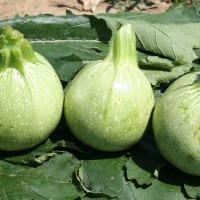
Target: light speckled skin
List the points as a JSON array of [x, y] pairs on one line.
[[108, 108], [176, 124], [30, 104]]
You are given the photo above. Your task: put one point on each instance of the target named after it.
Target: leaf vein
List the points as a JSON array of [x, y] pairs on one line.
[[61, 41]]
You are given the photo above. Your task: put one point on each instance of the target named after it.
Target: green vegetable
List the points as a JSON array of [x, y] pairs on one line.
[[68, 42], [176, 123], [109, 102], [31, 97]]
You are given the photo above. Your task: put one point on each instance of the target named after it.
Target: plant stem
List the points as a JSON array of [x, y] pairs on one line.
[[15, 50], [124, 47]]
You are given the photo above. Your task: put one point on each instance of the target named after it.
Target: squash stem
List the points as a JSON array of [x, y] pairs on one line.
[[15, 50], [124, 47]]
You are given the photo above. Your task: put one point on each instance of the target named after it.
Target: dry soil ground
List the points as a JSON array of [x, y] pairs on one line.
[[9, 8]]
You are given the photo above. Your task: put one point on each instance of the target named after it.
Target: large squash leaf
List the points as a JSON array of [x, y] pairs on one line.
[[71, 42], [52, 180], [67, 42], [172, 35]]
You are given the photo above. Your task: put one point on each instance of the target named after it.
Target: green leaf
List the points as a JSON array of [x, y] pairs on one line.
[[144, 161], [68, 43], [67, 57], [161, 70], [71, 42], [174, 39], [52, 180], [156, 76], [50, 28], [173, 16], [159, 190], [191, 185], [95, 198], [135, 172], [155, 62], [105, 177], [28, 156], [193, 191]]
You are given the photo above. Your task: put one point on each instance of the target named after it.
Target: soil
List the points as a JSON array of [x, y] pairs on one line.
[[10, 8]]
